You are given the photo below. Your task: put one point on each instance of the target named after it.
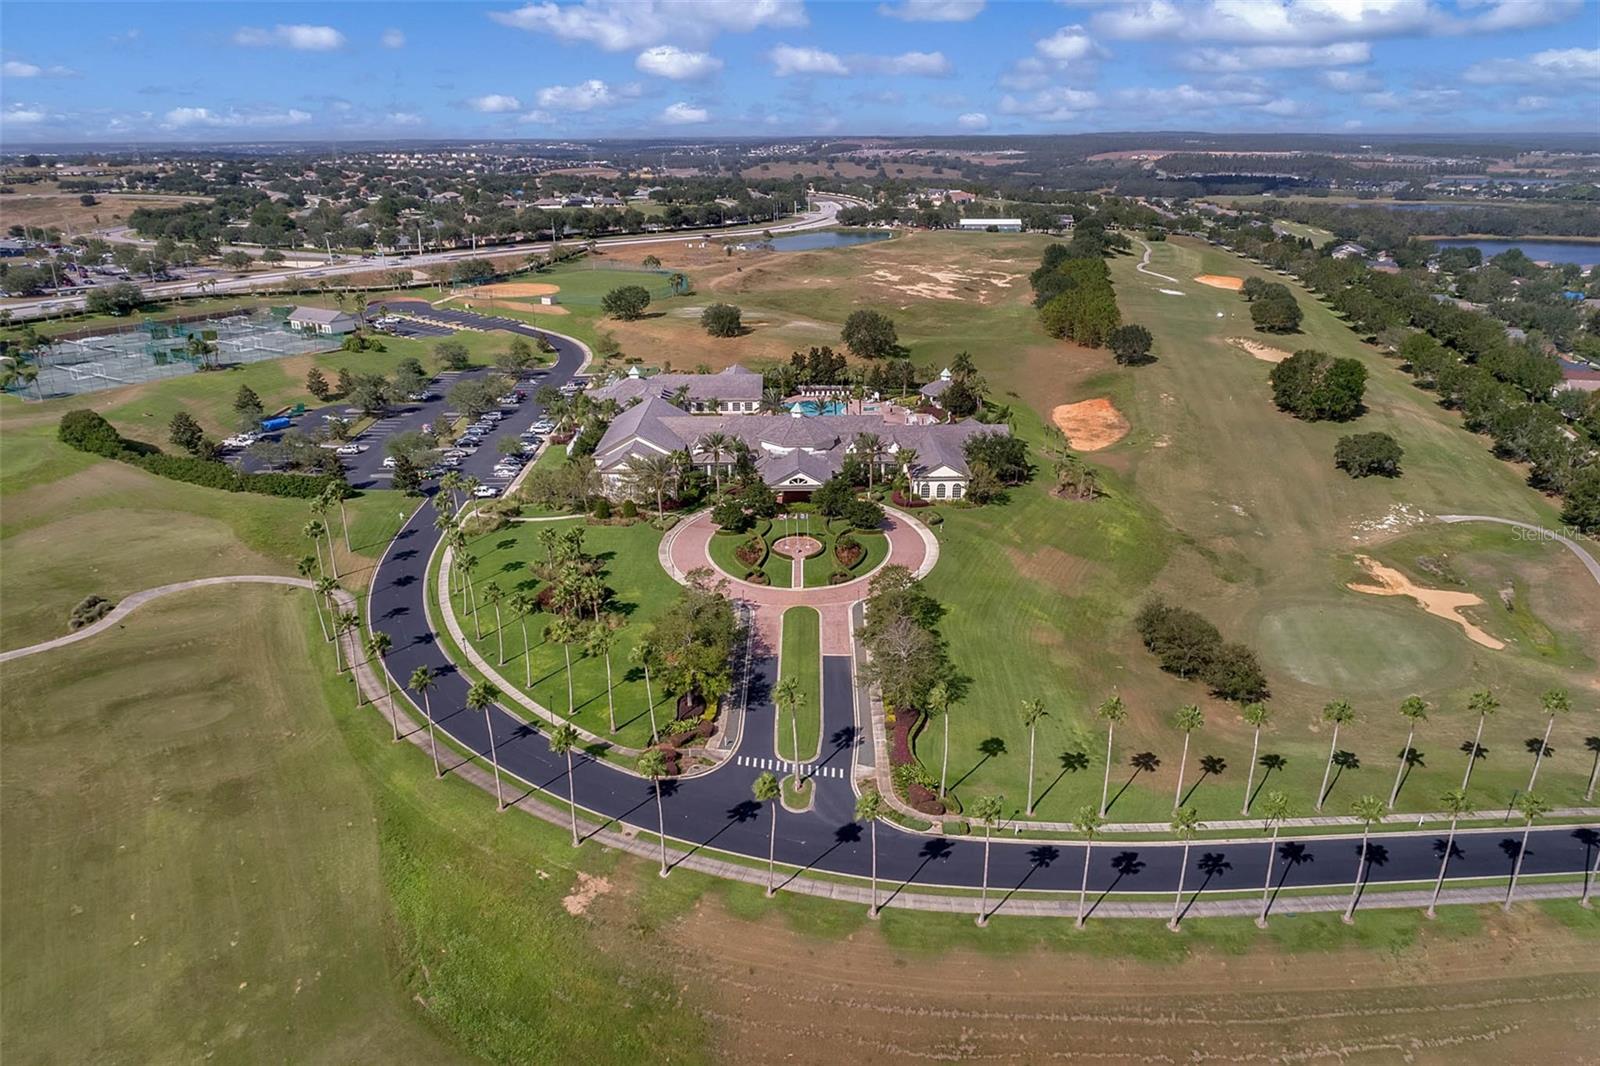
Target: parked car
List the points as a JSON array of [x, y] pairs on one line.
[[348, 449], [388, 462], [529, 447], [486, 491]]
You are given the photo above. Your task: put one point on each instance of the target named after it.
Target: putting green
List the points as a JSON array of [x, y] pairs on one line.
[[1356, 648]]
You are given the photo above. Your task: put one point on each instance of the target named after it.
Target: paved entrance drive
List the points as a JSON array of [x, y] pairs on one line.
[[911, 545]]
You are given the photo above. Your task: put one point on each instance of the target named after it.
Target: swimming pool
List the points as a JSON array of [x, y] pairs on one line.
[[813, 407]]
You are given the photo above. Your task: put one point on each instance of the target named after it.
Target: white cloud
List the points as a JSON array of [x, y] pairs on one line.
[[682, 114], [1533, 103], [1056, 104], [585, 96], [932, 10], [404, 118], [1321, 21], [1279, 57], [16, 68], [670, 61], [973, 120], [300, 37], [788, 59], [495, 103], [1189, 98], [24, 114], [392, 38], [1026, 74], [1427, 101], [1349, 81], [621, 25], [1069, 44], [188, 117], [1550, 67]]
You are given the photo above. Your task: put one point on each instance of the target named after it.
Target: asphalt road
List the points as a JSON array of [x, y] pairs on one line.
[[717, 810]]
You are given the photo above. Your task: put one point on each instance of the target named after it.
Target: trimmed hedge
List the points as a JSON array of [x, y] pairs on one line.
[[89, 432]]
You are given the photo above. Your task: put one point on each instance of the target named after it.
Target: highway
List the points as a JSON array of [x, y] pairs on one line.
[[716, 811]]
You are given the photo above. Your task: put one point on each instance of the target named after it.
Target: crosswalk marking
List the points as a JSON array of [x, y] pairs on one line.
[[803, 769]]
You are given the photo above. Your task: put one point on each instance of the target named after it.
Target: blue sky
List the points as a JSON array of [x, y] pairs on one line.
[[284, 71]]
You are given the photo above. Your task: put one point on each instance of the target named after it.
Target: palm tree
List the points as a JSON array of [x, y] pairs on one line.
[[480, 697], [562, 740], [306, 567], [640, 655], [653, 765], [1032, 711], [565, 632], [1456, 804], [600, 640], [1481, 703], [651, 475], [938, 702], [1413, 709], [1275, 808], [1187, 720], [319, 508], [466, 562], [378, 645], [326, 587], [312, 531], [869, 807], [767, 790], [1339, 712], [1185, 824], [787, 698], [716, 444], [522, 605], [1088, 822], [1531, 806], [1554, 701], [987, 810], [492, 595], [1255, 714], [869, 445], [422, 680], [347, 622], [1111, 711], [1368, 809]]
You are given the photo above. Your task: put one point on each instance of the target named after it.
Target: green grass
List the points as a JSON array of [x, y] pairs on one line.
[[642, 591], [801, 659]]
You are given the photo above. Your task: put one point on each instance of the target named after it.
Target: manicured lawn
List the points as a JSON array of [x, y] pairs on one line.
[[642, 591], [819, 568], [802, 660], [778, 568]]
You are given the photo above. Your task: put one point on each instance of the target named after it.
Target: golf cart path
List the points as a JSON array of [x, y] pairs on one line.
[[136, 600], [1589, 561], [1143, 267]]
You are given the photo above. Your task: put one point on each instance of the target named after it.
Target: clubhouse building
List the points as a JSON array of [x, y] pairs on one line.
[[794, 452]]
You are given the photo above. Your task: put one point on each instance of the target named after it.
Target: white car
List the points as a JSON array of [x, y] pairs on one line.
[[486, 492], [348, 449], [529, 447], [544, 425], [492, 416], [388, 462]]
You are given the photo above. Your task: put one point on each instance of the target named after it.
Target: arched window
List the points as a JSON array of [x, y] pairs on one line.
[[922, 489], [955, 491], [939, 492]]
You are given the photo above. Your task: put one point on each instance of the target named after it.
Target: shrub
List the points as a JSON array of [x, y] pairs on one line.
[[751, 553], [89, 610], [630, 509], [839, 577], [1365, 454], [1131, 344], [1315, 386], [626, 302], [88, 431], [864, 514], [722, 320], [602, 508], [848, 551], [1276, 312], [1188, 645], [870, 335]]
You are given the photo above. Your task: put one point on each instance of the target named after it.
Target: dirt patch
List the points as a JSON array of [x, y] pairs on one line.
[[1051, 566], [588, 890], [1090, 424], [516, 288], [1439, 602], [1264, 352], [1221, 281], [517, 305]]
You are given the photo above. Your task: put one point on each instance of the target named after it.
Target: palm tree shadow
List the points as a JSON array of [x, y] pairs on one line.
[[1143, 762], [937, 848], [1212, 864], [1038, 858], [1293, 853], [1071, 762], [849, 833], [1344, 760], [1593, 744], [1209, 765], [1272, 761], [669, 788], [740, 812], [1377, 855], [1413, 758], [1127, 864], [1478, 752], [989, 748]]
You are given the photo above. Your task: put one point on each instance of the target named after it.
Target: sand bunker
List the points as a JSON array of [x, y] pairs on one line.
[[1265, 352], [1439, 602], [516, 288], [1169, 292], [1221, 281], [1091, 424], [943, 284]]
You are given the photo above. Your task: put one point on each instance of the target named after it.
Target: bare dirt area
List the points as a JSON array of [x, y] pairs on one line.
[[1221, 281], [1439, 602], [66, 211], [1520, 993], [515, 288], [1090, 425], [1264, 352]]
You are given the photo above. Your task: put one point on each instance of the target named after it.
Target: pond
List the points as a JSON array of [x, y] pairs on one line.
[[1583, 253], [830, 238]]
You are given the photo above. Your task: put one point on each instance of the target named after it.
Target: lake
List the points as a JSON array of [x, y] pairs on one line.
[[1581, 252], [831, 238]]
